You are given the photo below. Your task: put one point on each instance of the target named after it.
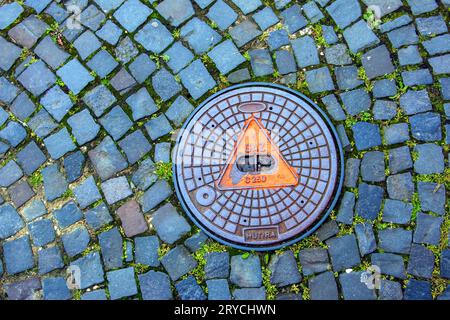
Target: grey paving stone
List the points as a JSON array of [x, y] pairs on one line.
[[178, 57], [158, 127], [17, 255], [429, 26], [14, 133], [179, 111], [327, 230], [390, 290], [49, 259], [30, 158], [250, 294], [419, 7], [67, 215], [55, 184], [217, 265], [319, 80], [142, 67], [426, 126], [102, 63], [409, 55], [329, 35], [22, 107], [178, 262], [396, 133], [344, 252], [135, 146], [28, 31], [395, 240], [226, 57], [246, 273], [132, 14], [94, 295], [155, 286], [384, 109], [188, 289], [432, 197], [413, 102], [106, 159], [377, 62], [312, 12], [421, 262], [430, 159], [346, 209], [10, 173], [305, 51], [265, 18], [196, 79], [169, 225], [125, 51], [112, 248], [116, 122], [37, 78], [334, 108], [343, 137], [144, 176], [366, 238], [196, 241], [99, 99], [248, 6], [389, 264], [91, 17], [123, 81], [417, 290], [356, 101], [347, 77], [293, 19], [199, 35], [400, 186], [41, 232], [55, 288], [359, 37], [396, 211], [218, 289], [344, 12], [284, 270], [20, 193], [278, 39], [403, 36], [385, 6], [176, 11], [261, 62], [9, 13], [366, 135], [395, 23], [84, 127], [76, 241], [445, 88], [165, 84], [244, 32], [352, 167], [86, 44], [98, 217], [146, 250], [369, 201], [121, 283], [353, 288], [10, 53], [313, 261], [108, 5], [142, 104], [441, 64], [154, 36], [10, 221], [28, 289], [132, 219], [427, 229], [323, 287], [445, 264], [109, 32], [33, 210], [75, 76], [8, 91], [417, 77], [372, 166], [222, 15], [444, 295], [86, 193], [59, 143]]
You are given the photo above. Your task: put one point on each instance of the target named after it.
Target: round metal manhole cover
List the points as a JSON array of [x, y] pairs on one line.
[[258, 166]]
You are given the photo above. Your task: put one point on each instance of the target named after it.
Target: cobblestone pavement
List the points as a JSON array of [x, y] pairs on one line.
[[91, 92]]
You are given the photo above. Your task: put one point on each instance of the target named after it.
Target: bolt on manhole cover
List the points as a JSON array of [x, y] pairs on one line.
[[258, 166]]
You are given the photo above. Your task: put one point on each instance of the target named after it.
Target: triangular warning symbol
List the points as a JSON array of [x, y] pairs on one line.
[[256, 162]]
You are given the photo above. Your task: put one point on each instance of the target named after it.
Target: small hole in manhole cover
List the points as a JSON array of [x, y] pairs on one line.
[[269, 170]]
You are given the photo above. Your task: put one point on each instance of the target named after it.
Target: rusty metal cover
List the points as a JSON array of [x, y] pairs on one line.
[[258, 166]]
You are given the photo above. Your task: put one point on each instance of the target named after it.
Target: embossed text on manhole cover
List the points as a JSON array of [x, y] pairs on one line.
[[258, 166]]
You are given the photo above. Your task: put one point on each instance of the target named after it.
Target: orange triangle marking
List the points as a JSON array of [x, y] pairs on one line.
[[256, 162]]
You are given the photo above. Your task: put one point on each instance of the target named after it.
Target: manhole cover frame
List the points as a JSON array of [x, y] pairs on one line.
[[316, 223]]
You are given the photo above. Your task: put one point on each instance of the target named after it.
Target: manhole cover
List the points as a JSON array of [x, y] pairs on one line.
[[258, 166]]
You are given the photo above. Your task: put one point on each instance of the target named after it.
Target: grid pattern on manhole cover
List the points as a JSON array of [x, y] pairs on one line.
[[259, 217]]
